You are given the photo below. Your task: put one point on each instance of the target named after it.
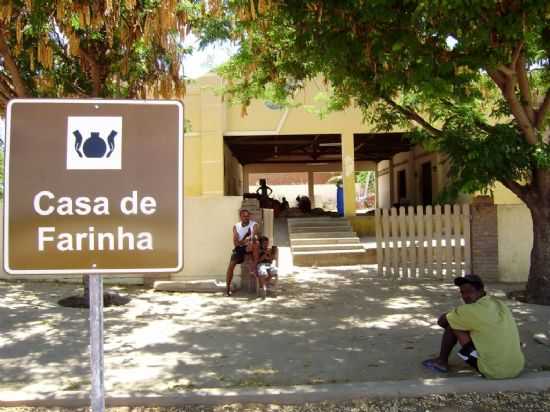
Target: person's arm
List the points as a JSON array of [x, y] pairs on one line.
[[462, 318], [255, 234]]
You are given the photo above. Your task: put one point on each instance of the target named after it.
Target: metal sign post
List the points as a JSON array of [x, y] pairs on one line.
[[96, 343]]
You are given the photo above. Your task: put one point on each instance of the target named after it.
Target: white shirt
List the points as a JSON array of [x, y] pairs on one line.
[[243, 230]]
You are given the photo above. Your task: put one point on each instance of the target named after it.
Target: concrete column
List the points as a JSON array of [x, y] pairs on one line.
[[348, 173], [311, 188], [246, 180], [376, 203], [212, 166]]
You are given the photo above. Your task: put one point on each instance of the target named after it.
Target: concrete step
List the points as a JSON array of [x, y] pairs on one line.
[[321, 229], [327, 247], [320, 223], [325, 241], [334, 258], [303, 219], [293, 222], [317, 235]]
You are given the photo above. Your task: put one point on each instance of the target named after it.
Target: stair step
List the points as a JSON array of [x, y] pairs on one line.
[[333, 258], [317, 235], [325, 241], [321, 229], [320, 222], [328, 247], [292, 222]]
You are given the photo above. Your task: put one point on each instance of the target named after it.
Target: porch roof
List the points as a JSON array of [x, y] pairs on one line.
[[302, 148]]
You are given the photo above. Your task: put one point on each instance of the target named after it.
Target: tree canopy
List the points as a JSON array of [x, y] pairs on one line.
[[433, 65], [468, 78], [110, 48]]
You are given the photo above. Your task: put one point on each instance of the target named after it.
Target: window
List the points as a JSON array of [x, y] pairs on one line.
[[401, 185]]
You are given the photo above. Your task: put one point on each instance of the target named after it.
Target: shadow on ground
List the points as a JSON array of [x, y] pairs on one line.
[[325, 325]]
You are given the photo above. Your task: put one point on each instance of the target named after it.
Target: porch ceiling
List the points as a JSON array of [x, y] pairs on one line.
[[314, 148]]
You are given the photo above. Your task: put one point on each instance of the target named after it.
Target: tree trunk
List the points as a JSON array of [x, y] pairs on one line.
[[538, 285]]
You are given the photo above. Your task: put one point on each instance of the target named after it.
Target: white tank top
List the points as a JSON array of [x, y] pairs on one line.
[[243, 230]]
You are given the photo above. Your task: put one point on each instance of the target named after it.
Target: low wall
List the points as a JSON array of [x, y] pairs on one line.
[[208, 238], [207, 244], [363, 225], [515, 240]]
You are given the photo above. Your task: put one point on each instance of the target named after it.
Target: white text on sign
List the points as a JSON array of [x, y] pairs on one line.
[[45, 203]]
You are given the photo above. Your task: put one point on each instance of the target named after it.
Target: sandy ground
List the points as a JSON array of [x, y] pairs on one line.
[[325, 325]]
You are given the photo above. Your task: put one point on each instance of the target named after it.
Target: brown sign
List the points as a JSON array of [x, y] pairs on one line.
[[93, 186]]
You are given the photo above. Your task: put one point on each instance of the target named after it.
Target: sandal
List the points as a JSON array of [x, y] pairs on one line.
[[434, 366]]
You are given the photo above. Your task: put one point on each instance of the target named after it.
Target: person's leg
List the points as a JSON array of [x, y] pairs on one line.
[[441, 363], [255, 252], [467, 352], [448, 342], [462, 336], [229, 276], [262, 276]]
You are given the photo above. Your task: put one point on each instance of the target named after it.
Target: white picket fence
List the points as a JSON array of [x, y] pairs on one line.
[[423, 241]]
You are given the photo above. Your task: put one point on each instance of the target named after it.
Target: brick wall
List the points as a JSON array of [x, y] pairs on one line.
[[484, 238]]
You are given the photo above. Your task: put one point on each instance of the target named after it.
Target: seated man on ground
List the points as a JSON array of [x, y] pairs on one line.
[[245, 241], [284, 204], [267, 269], [485, 329]]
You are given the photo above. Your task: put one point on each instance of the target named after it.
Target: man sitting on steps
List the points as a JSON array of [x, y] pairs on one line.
[[485, 329], [245, 241]]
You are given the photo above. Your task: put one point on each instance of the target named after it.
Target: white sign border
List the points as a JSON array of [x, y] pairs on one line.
[[31, 272]]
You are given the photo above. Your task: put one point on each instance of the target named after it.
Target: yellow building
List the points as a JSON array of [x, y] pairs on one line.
[[222, 148]]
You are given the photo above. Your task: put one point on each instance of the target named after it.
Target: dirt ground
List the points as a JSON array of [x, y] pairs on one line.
[[326, 325]]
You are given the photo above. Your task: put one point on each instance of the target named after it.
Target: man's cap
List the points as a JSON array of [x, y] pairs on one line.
[[471, 279]]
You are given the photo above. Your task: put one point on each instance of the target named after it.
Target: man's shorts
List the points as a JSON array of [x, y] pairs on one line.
[[238, 254], [468, 354], [265, 269]]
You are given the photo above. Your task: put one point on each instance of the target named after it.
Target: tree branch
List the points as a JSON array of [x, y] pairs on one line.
[[516, 54], [523, 82], [507, 87], [543, 110], [4, 99], [5, 81], [11, 66], [412, 115], [94, 72], [518, 189], [497, 77], [5, 89]]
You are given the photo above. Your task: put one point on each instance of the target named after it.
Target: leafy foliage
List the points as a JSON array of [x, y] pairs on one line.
[[451, 70], [110, 48]]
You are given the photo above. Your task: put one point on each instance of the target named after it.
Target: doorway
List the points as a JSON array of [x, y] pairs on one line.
[[426, 183]]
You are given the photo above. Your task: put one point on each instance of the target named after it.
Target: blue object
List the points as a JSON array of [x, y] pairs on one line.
[[340, 200]]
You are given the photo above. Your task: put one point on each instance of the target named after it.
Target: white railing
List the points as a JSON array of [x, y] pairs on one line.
[[423, 241]]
